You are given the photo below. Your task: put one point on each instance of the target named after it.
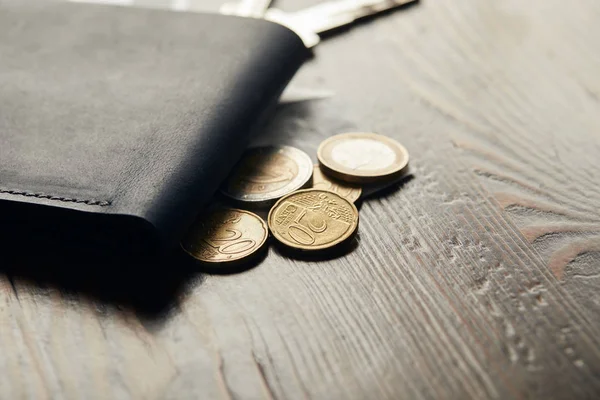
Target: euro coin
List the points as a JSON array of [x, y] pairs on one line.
[[313, 219], [265, 174], [348, 191], [362, 158], [225, 236]]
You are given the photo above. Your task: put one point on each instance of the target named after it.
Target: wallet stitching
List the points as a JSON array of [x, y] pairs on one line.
[[101, 203]]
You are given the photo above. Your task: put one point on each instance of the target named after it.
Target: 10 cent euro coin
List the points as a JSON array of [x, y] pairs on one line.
[[265, 174], [362, 158], [313, 219], [225, 236]]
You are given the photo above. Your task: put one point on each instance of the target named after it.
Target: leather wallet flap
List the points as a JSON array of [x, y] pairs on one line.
[[131, 115]]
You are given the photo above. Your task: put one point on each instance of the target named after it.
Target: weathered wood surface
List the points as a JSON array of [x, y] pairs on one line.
[[479, 278]]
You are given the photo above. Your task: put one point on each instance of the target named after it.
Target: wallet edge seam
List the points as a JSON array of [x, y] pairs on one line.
[[45, 196]]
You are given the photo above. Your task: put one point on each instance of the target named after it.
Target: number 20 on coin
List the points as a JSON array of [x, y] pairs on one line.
[[225, 235]]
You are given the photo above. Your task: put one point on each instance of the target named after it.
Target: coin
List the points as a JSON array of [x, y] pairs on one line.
[[265, 174], [313, 219], [345, 190], [362, 157], [225, 236]]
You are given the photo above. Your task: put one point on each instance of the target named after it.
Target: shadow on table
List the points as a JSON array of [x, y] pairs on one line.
[[382, 191], [149, 286]]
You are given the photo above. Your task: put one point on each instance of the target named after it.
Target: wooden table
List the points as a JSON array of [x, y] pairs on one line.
[[478, 278]]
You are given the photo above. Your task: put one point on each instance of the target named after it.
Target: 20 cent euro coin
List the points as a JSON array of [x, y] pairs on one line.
[[265, 174], [363, 158], [225, 236], [313, 219]]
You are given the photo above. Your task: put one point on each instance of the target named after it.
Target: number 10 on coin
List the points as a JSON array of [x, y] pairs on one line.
[[313, 219]]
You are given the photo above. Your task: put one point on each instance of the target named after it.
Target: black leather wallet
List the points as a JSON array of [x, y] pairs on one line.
[[118, 124]]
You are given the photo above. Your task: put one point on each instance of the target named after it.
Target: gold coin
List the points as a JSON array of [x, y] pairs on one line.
[[265, 174], [225, 236], [313, 219], [345, 190], [362, 157]]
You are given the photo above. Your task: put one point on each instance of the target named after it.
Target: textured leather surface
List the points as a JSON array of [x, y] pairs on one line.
[[121, 119]]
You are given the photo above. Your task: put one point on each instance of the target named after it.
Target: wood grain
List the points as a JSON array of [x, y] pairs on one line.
[[478, 278]]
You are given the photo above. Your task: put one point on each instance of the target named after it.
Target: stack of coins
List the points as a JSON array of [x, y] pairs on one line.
[[311, 207]]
